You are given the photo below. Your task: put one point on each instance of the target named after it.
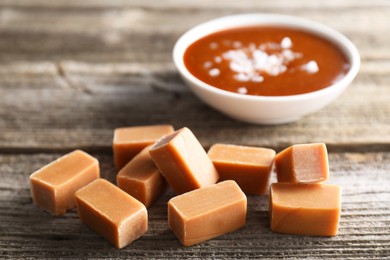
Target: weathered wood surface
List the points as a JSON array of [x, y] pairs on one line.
[[64, 111], [72, 71], [364, 228]]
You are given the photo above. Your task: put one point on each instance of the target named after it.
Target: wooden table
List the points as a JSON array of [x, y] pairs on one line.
[[72, 71]]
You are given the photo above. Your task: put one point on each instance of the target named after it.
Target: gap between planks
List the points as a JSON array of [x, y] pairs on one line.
[[102, 149]]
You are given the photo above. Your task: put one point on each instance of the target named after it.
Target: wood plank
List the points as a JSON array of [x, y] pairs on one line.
[[113, 35], [188, 4], [71, 71], [57, 111], [364, 227], [63, 21]]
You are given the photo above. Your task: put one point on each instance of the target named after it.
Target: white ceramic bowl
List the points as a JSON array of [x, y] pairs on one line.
[[265, 109]]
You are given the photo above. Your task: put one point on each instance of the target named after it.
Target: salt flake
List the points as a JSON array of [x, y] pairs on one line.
[[242, 90], [207, 64], [286, 43], [311, 67], [241, 77], [250, 62], [237, 44], [213, 45], [214, 72], [257, 78]]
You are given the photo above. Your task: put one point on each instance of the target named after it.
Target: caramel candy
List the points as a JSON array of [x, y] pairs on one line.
[[53, 186], [302, 163], [183, 161], [111, 212], [129, 141], [206, 213], [250, 167], [141, 178], [305, 209]]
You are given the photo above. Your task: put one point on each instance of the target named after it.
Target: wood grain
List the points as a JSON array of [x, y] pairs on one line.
[[73, 31], [26, 231], [72, 71], [51, 112], [56, 59]]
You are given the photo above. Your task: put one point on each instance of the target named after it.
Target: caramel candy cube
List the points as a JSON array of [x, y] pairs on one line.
[[141, 178], [183, 161], [305, 209], [302, 163], [129, 141], [206, 213], [111, 212], [53, 186], [250, 167]]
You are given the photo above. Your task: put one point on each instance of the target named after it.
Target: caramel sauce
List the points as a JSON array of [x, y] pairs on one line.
[[266, 61]]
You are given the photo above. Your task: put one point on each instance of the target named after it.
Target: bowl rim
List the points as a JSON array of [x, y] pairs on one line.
[[202, 29]]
